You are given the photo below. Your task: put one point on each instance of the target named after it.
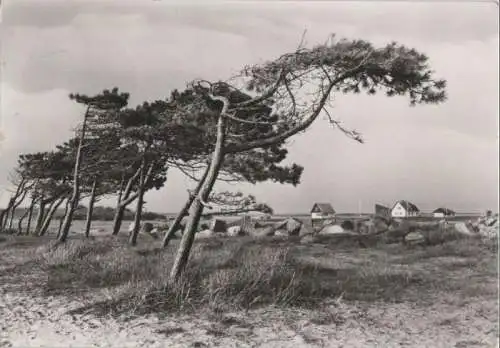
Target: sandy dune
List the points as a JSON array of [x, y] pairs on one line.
[[28, 321]]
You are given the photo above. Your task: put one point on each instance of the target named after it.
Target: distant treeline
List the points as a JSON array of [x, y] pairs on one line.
[[101, 214]]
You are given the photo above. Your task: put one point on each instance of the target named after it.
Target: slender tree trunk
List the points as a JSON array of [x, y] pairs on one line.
[[125, 198], [39, 218], [50, 215], [196, 209], [8, 212], [3, 217], [46, 217], [91, 209], [184, 211], [61, 220], [30, 215], [15, 206], [2, 213], [140, 200], [75, 197], [20, 222], [117, 220]]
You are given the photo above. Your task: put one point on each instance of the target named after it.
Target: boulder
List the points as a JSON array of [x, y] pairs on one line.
[[366, 227], [234, 231], [155, 232], [290, 226], [491, 221], [415, 238], [489, 231], [263, 231], [307, 238], [281, 233], [305, 229], [293, 226], [162, 227], [462, 228], [204, 234], [332, 229], [218, 226], [147, 227], [97, 230], [347, 225], [380, 225]]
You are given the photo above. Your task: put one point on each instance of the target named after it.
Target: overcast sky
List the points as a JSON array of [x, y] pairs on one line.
[[444, 155]]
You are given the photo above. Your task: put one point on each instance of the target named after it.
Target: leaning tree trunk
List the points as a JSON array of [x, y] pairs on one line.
[[127, 197], [196, 209], [3, 218], [14, 207], [50, 215], [30, 215], [91, 209], [75, 197], [140, 201], [20, 222], [4, 215], [184, 211], [117, 220], [61, 220], [39, 218]]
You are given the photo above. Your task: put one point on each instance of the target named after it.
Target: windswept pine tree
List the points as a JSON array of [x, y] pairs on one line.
[[271, 102], [95, 107]]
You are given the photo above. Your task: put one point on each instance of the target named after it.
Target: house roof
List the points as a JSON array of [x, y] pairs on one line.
[[409, 207], [382, 207], [324, 208], [445, 211]]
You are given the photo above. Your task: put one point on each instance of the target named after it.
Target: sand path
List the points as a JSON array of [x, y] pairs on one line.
[[31, 321]]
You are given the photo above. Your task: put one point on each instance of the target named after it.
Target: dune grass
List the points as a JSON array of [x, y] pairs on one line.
[[227, 274]]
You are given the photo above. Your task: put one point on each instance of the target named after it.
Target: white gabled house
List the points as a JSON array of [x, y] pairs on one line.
[[403, 209], [443, 212], [322, 211]]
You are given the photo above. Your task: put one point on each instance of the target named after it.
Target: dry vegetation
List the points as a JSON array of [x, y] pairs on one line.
[[326, 285]]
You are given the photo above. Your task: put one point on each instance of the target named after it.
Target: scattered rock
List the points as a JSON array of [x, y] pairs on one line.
[[147, 227], [461, 227], [332, 229], [366, 227], [307, 239], [415, 238], [293, 226], [281, 233], [290, 226], [234, 231], [263, 231], [154, 233], [204, 234], [218, 226], [347, 225]]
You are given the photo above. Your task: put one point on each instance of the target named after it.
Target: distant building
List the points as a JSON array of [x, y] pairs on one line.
[[443, 212], [322, 211], [381, 210], [404, 209]]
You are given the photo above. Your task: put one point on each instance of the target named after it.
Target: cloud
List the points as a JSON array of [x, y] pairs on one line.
[[432, 155]]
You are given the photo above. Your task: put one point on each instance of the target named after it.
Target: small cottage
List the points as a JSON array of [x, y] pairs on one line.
[[381, 210], [322, 211], [443, 212], [403, 209]]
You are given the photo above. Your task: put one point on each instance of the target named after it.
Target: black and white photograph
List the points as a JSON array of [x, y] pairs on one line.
[[275, 174]]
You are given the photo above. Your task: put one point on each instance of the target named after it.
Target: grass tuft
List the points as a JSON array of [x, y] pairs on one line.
[[244, 273]]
